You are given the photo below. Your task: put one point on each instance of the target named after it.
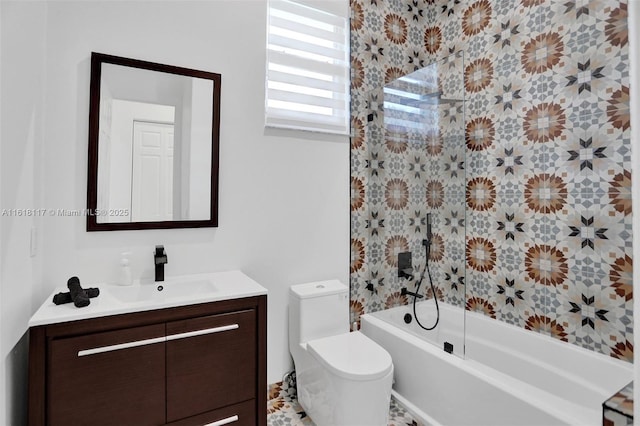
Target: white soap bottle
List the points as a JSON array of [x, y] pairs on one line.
[[125, 270]]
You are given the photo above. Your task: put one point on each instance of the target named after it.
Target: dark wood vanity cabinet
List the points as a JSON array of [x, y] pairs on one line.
[[192, 365]]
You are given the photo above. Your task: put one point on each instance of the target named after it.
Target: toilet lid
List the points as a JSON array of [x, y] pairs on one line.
[[352, 355]]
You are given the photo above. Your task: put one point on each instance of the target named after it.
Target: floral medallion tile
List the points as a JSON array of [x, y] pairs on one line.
[[512, 296], [585, 310]]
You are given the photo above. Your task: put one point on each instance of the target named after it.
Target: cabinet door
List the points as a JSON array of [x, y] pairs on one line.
[[211, 363], [110, 378]]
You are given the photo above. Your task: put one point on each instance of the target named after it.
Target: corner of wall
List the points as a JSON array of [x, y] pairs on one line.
[[23, 29], [3, 405]]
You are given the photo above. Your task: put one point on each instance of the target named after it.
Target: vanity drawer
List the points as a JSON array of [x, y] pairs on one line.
[[211, 363], [243, 414], [90, 375]]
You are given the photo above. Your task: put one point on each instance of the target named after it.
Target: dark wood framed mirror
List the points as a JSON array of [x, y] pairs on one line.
[[153, 145]]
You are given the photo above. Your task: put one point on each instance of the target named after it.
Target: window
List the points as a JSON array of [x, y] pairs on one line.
[[307, 69]]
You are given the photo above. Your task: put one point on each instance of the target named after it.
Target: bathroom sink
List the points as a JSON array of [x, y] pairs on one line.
[[177, 290], [165, 290]]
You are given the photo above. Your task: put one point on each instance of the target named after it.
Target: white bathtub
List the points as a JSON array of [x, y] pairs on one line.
[[510, 376]]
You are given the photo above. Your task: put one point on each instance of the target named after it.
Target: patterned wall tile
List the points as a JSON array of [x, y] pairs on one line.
[[528, 181]]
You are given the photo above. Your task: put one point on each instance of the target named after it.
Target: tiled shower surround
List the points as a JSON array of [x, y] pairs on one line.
[[547, 244]]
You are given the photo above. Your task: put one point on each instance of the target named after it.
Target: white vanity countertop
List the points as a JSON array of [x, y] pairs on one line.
[[178, 291]]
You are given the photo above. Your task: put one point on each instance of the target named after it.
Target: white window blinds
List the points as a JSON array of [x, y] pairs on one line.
[[307, 69]]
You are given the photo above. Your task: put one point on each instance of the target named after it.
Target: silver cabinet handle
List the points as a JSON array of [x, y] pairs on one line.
[[224, 421], [135, 343], [201, 333], [120, 346]]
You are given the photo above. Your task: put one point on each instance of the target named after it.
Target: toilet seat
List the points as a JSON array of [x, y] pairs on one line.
[[352, 356]]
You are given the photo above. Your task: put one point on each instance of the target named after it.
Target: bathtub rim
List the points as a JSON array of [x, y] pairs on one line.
[[472, 319], [454, 328]]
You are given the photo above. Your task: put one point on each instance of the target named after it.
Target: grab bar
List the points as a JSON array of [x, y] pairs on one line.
[[144, 342], [224, 421]]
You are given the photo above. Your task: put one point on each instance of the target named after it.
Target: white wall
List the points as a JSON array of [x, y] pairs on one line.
[[139, 85], [3, 410], [197, 172], [284, 197], [22, 64]]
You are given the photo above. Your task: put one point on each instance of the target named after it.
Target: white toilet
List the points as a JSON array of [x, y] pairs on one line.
[[343, 378]]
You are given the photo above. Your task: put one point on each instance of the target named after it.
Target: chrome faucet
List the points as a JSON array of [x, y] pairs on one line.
[[160, 259]]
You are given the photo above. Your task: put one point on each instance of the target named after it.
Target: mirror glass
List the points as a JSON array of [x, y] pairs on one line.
[[153, 145]]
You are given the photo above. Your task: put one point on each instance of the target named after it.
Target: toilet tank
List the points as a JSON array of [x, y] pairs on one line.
[[316, 310]]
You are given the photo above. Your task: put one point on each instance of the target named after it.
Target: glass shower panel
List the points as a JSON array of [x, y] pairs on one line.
[[416, 143]]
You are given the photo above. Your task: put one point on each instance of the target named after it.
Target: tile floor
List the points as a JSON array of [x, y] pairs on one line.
[[283, 409], [618, 410]]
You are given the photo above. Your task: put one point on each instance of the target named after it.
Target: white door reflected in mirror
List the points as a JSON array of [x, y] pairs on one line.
[[152, 187]]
